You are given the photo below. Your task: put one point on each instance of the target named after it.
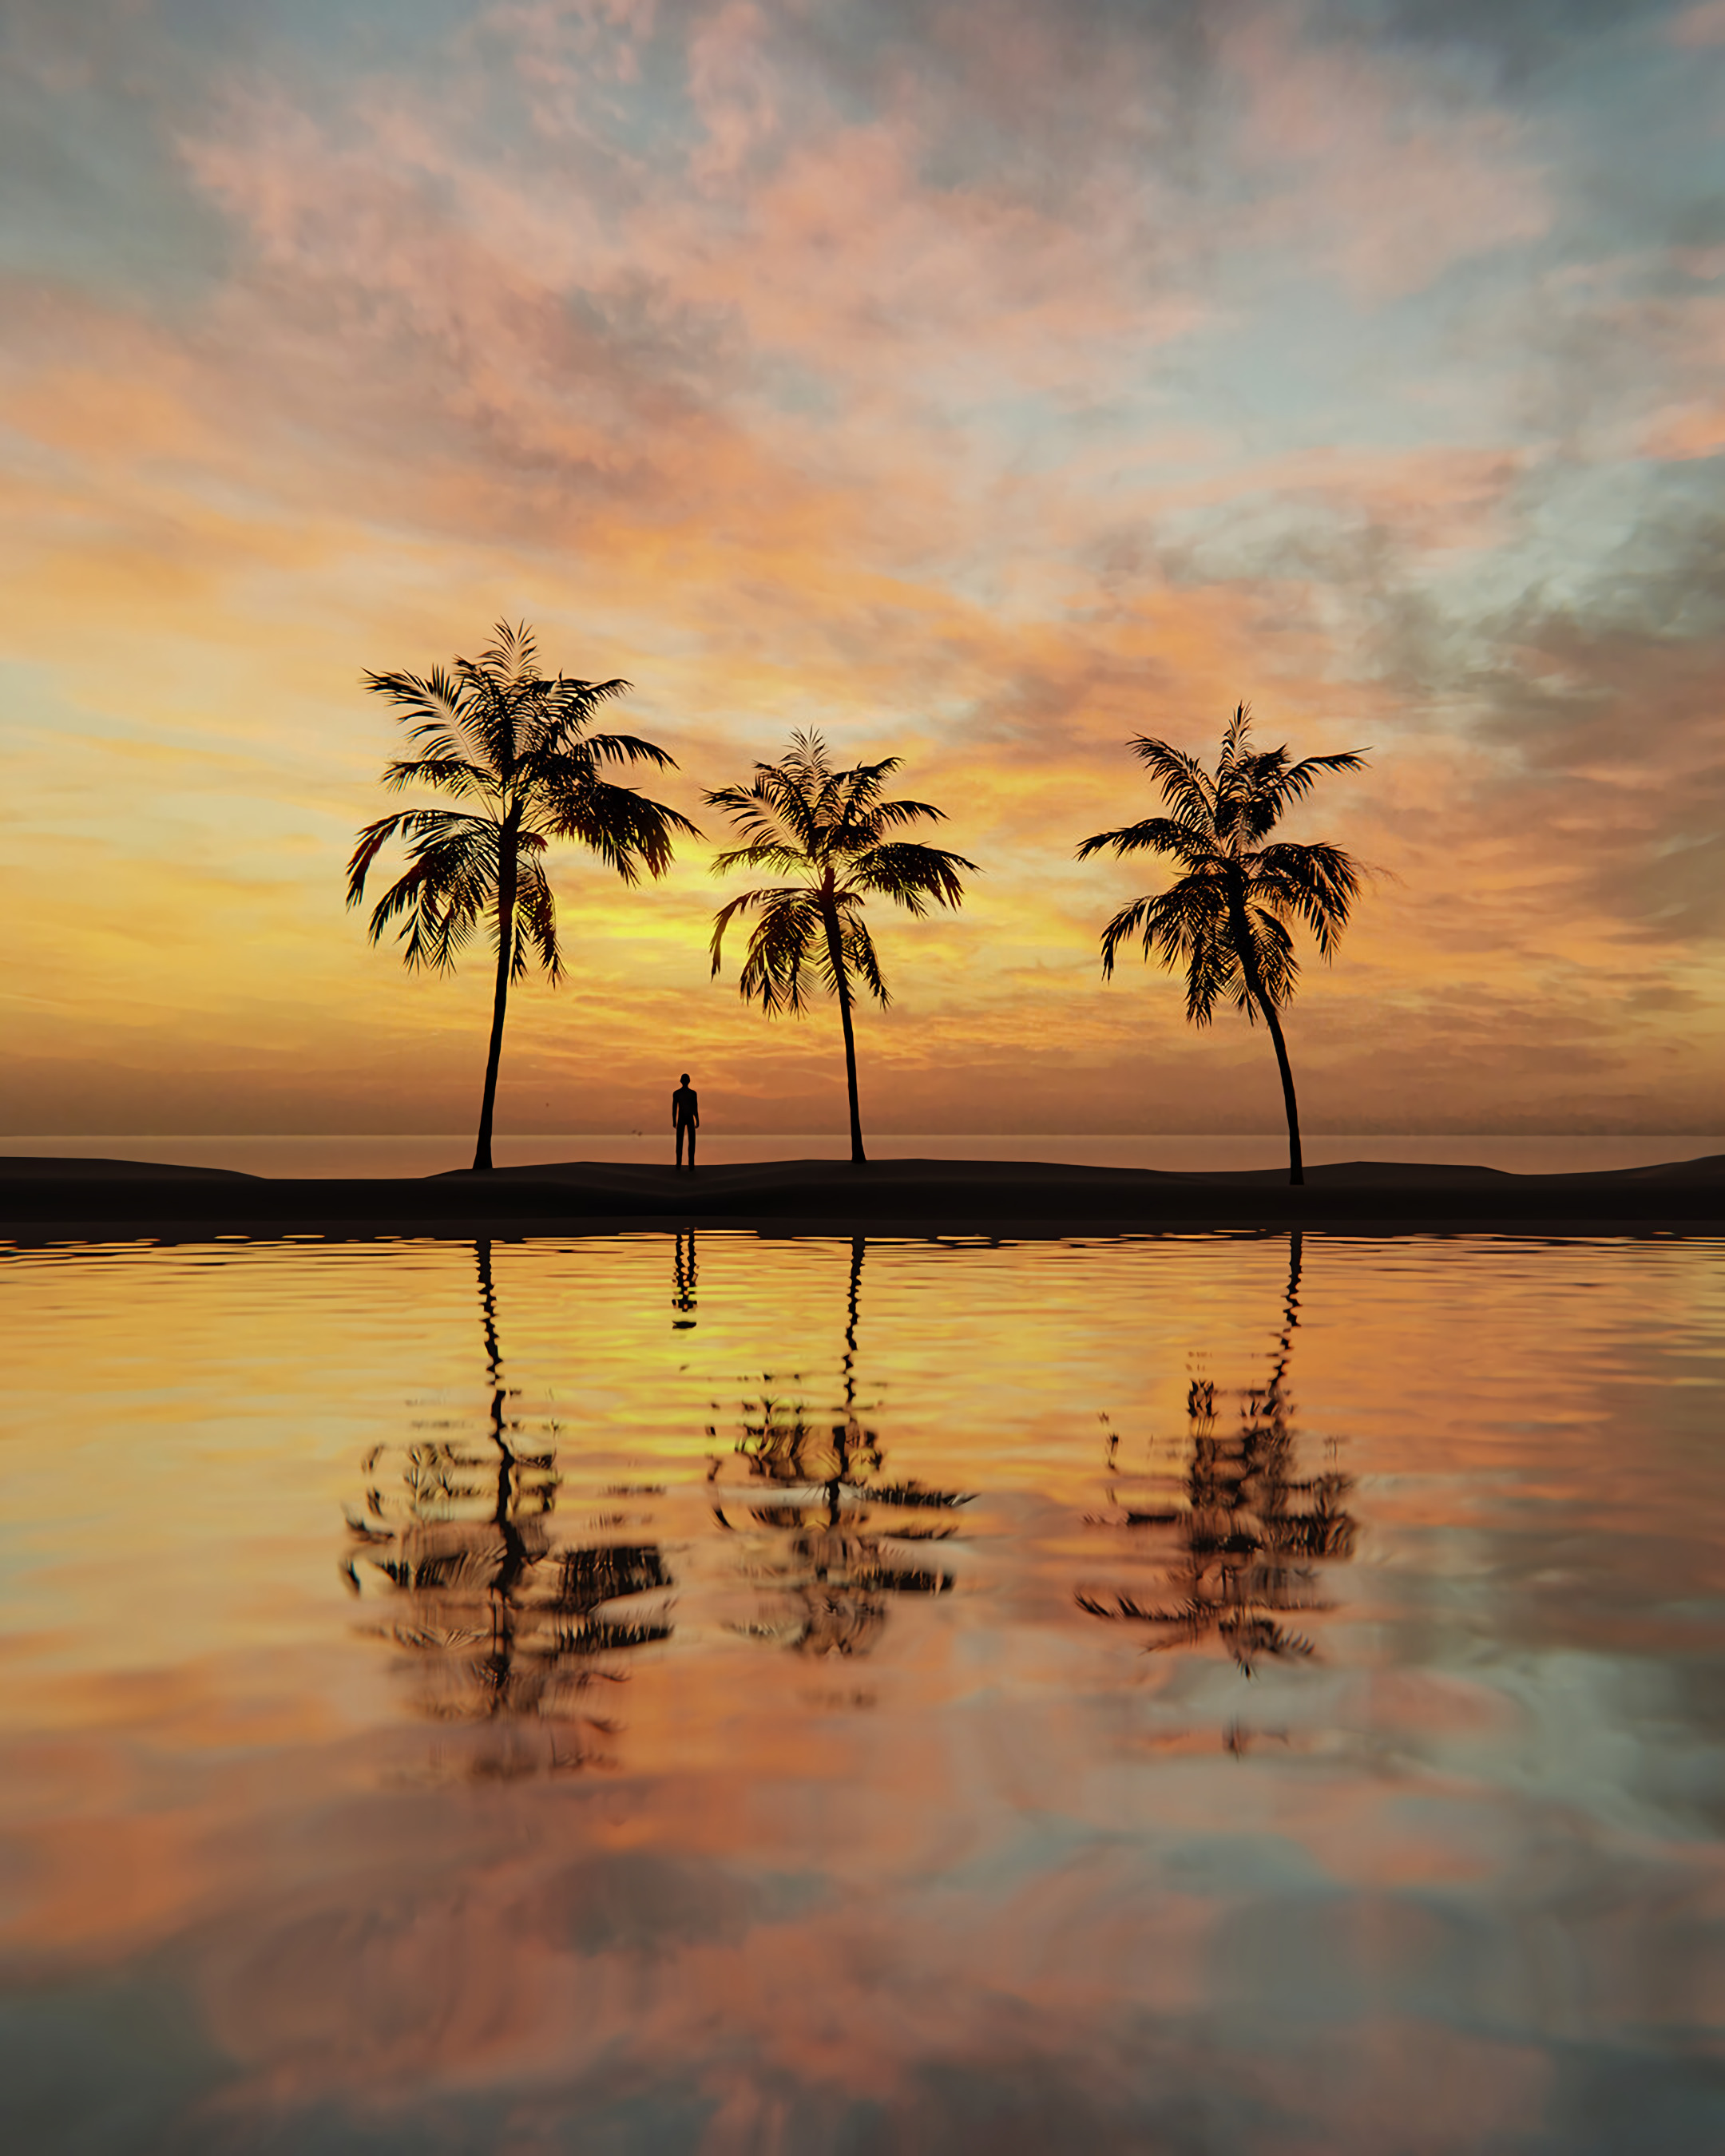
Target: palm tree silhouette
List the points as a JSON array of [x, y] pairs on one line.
[[827, 830], [514, 747], [814, 1538], [1240, 1539], [1226, 919], [508, 1628]]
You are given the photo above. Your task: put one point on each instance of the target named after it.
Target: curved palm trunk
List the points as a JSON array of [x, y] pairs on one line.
[[839, 975], [1254, 985], [1296, 1166], [505, 954]]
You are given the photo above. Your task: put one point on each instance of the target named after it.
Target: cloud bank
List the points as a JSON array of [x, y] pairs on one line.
[[985, 386]]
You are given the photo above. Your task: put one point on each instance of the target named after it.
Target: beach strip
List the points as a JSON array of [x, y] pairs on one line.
[[49, 1199]]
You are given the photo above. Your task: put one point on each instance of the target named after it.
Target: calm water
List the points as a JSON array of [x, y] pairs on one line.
[[721, 1695]]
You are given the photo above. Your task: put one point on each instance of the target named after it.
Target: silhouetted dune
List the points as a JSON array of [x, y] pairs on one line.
[[26, 1168], [42, 1198]]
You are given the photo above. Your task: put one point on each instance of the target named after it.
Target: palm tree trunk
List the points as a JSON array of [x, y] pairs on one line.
[[856, 1142], [505, 952], [1254, 984], [1296, 1166], [836, 950]]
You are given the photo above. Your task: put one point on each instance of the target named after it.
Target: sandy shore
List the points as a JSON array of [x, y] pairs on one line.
[[52, 1199]]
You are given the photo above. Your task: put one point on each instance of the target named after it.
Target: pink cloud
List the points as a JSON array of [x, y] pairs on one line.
[[1686, 431], [1388, 183], [1425, 499], [1704, 25]]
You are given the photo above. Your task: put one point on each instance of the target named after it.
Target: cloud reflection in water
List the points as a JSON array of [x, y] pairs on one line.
[[261, 1902]]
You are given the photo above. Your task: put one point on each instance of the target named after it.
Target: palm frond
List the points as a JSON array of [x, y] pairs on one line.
[[1155, 834], [371, 842], [447, 888], [746, 903], [443, 773], [514, 657], [1187, 925], [805, 762], [1213, 977], [1235, 736], [535, 918], [852, 811], [492, 712], [1273, 951], [1317, 882], [787, 934], [912, 875], [1260, 787], [892, 815], [767, 815], [438, 710], [422, 699], [422, 826], [856, 950], [562, 711], [1186, 785], [626, 830], [782, 858], [1298, 781], [628, 748]]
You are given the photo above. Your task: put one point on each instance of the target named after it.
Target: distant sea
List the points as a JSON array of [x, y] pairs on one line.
[[367, 1156]]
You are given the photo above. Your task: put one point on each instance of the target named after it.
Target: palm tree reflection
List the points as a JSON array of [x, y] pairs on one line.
[[818, 1523], [507, 1626], [1237, 1539]]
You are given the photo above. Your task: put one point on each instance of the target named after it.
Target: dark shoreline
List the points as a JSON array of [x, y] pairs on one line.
[[44, 1200]]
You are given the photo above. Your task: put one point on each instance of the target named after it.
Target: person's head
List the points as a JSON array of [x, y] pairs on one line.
[[685, 1078]]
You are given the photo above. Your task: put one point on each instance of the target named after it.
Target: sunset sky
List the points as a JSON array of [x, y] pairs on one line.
[[982, 383]]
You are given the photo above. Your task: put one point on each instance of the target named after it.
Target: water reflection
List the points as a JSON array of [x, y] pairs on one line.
[[817, 1526], [684, 1279], [1472, 1899], [505, 1624], [1231, 1531]]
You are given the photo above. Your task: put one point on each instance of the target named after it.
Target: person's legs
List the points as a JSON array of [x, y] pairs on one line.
[[682, 1129], [693, 1127]]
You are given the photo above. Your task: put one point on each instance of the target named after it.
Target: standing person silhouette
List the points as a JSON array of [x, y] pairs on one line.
[[685, 1119]]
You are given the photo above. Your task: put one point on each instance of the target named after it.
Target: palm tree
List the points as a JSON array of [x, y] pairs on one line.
[[828, 830], [1226, 918], [515, 748]]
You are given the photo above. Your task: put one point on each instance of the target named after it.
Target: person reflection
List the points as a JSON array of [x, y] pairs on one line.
[[507, 1626], [684, 1279], [1236, 1540], [818, 1535]]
